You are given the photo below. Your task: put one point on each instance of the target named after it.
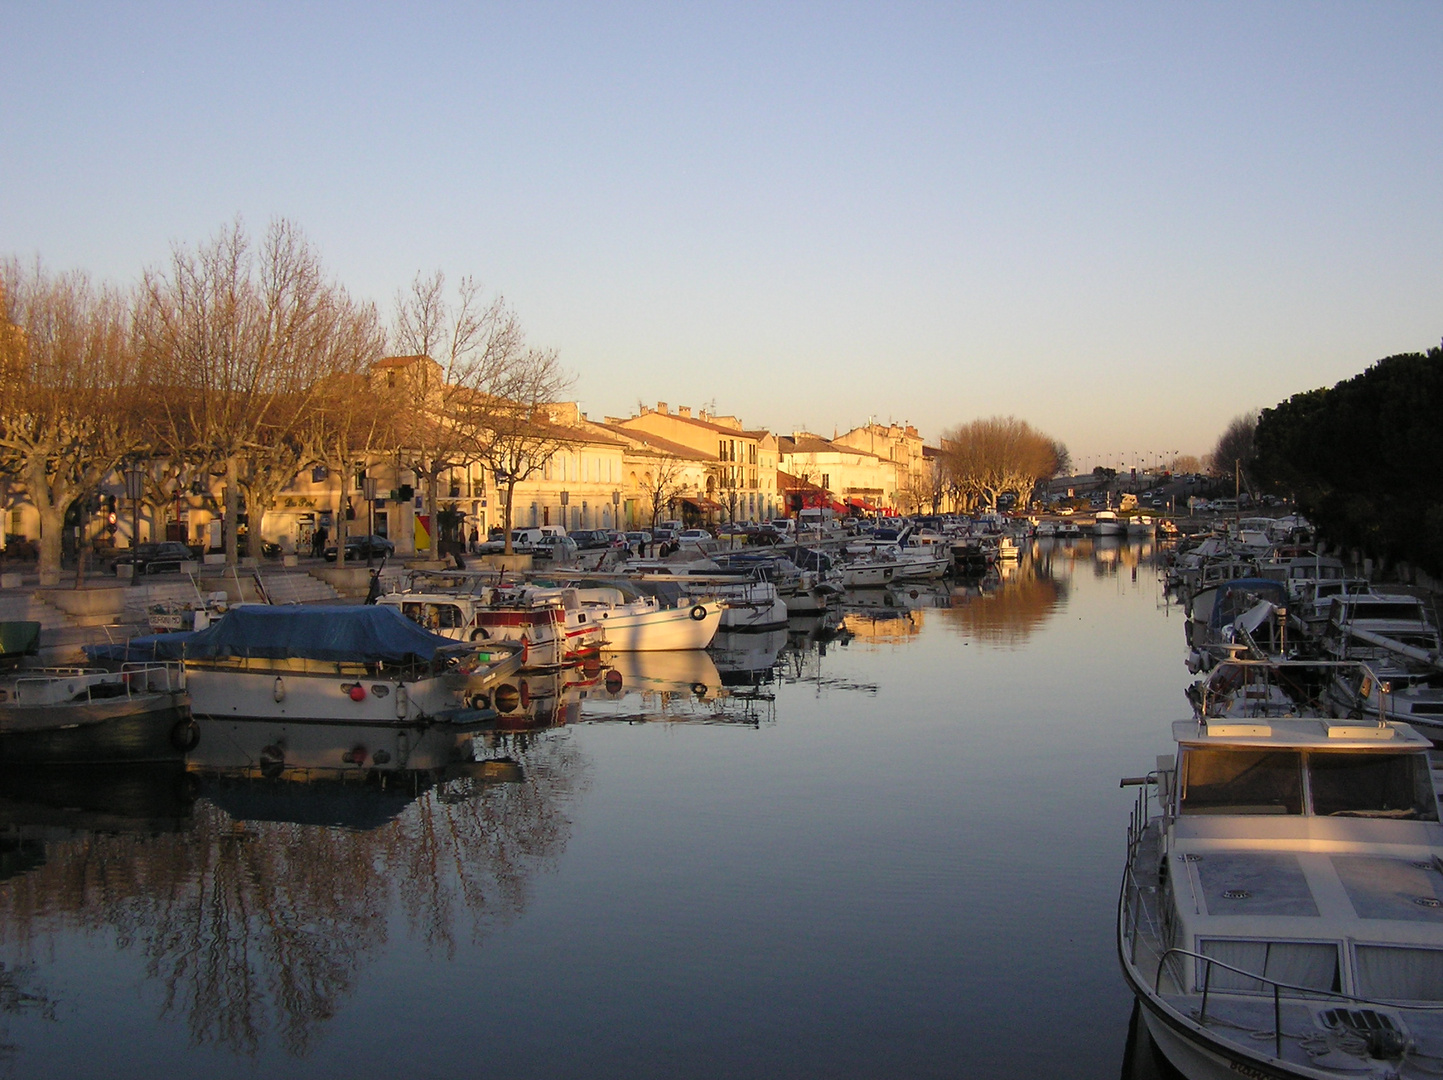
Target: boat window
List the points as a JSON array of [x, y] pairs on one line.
[[1372, 785], [443, 616], [1399, 974], [1241, 781], [1312, 965]]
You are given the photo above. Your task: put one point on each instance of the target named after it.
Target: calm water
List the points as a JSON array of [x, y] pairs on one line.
[[892, 853]]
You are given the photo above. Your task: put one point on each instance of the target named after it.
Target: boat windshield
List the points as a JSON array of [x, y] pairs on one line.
[[1241, 781], [1372, 785]]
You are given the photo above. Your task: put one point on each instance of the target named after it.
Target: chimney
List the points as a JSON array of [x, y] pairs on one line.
[[703, 414], [661, 408], [684, 411]]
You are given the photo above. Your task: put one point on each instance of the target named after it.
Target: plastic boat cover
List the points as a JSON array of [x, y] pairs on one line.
[[356, 634]]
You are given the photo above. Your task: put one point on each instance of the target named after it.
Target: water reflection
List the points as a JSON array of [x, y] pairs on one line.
[[260, 885], [1005, 613], [259, 889]]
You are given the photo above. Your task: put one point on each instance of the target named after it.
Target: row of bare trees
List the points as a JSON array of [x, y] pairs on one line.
[[984, 459], [242, 363]]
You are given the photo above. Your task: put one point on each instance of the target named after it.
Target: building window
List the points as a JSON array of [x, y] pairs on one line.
[[826, 480]]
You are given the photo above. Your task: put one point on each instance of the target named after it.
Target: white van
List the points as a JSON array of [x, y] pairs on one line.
[[534, 533]]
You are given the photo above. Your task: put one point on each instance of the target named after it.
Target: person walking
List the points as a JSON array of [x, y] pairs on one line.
[[318, 541]]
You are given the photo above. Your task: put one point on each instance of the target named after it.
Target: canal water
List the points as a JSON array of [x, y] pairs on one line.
[[885, 848]]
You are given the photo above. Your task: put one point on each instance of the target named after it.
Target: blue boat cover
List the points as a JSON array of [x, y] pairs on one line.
[[355, 634], [1236, 596]]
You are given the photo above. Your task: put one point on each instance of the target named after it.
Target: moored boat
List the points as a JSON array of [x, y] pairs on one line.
[[74, 716], [1281, 912], [353, 664]]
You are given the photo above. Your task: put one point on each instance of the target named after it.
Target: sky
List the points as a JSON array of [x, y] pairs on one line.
[[1123, 223]]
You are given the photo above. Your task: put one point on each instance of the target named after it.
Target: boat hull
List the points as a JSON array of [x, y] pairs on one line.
[[662, 630], [220, 693]]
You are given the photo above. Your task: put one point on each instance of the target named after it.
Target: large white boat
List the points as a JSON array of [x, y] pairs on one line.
[[634, 622], [549, 623], [363, 664], [1107, 523], [1281, 912]]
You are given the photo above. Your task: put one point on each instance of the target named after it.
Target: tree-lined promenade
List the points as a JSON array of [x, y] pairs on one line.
[[238, 365]]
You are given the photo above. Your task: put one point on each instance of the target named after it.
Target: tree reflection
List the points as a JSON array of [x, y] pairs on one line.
[[257, 925], [1009, 613]]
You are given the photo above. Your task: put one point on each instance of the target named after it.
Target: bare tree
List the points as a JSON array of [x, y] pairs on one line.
[[510, 424], [240, 340], [1235, 449], [989, 457], [67, 379], [662, 484], [461, 349]]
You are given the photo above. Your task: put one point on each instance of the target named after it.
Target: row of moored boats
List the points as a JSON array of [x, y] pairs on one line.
[[1281, 913]]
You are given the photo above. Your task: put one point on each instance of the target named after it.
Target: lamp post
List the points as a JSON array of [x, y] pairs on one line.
[[565, 502], [616, 510], [368, 489], [134, 489]]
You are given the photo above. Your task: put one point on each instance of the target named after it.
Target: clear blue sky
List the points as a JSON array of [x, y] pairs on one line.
[[1124, 223]]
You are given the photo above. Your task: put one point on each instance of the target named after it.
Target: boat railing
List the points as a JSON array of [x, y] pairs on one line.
[[1136, 915], [1277, 989], [38, 685]]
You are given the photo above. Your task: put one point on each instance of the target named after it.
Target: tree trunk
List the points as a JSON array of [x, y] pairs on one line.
[[506, 517], [339, 516], [232, 511], [434, 528], [52, 531]]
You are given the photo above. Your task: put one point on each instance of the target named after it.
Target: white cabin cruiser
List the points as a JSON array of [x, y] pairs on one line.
[[360, 664], [550, 624], [634, 622], [1281, 912]]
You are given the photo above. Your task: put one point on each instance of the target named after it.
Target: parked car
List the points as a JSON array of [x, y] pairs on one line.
[[661, 534], [559, 549], [592, 539], [694, 535], [734, 528], [634, 538], [156, 558], [363, 547]]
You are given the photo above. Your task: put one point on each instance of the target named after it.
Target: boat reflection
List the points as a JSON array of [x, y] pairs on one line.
[[1141, 1059], [256, 888]]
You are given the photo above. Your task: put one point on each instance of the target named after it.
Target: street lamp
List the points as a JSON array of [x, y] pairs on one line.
[[368, 489], [134, 489]]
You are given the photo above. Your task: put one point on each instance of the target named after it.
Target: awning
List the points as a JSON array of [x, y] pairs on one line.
[[702, 504]]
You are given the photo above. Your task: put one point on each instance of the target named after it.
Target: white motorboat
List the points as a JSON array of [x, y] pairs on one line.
[[1068, 530], [1403, 652], [550, 624], [79, 715], [633, 622], [365, 664], [1007, 548], [1106, 523], [1281, 912], [750, 605]]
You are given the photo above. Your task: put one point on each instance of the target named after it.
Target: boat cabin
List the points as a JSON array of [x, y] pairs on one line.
[[1305, 851]]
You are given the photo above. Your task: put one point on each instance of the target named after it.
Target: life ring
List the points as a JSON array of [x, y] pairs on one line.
[[479, 634], [698, 613], [699, 689], [185, 735]]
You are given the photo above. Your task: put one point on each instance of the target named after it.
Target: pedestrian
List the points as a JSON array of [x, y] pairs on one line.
[[318, 541], [475, 539]]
